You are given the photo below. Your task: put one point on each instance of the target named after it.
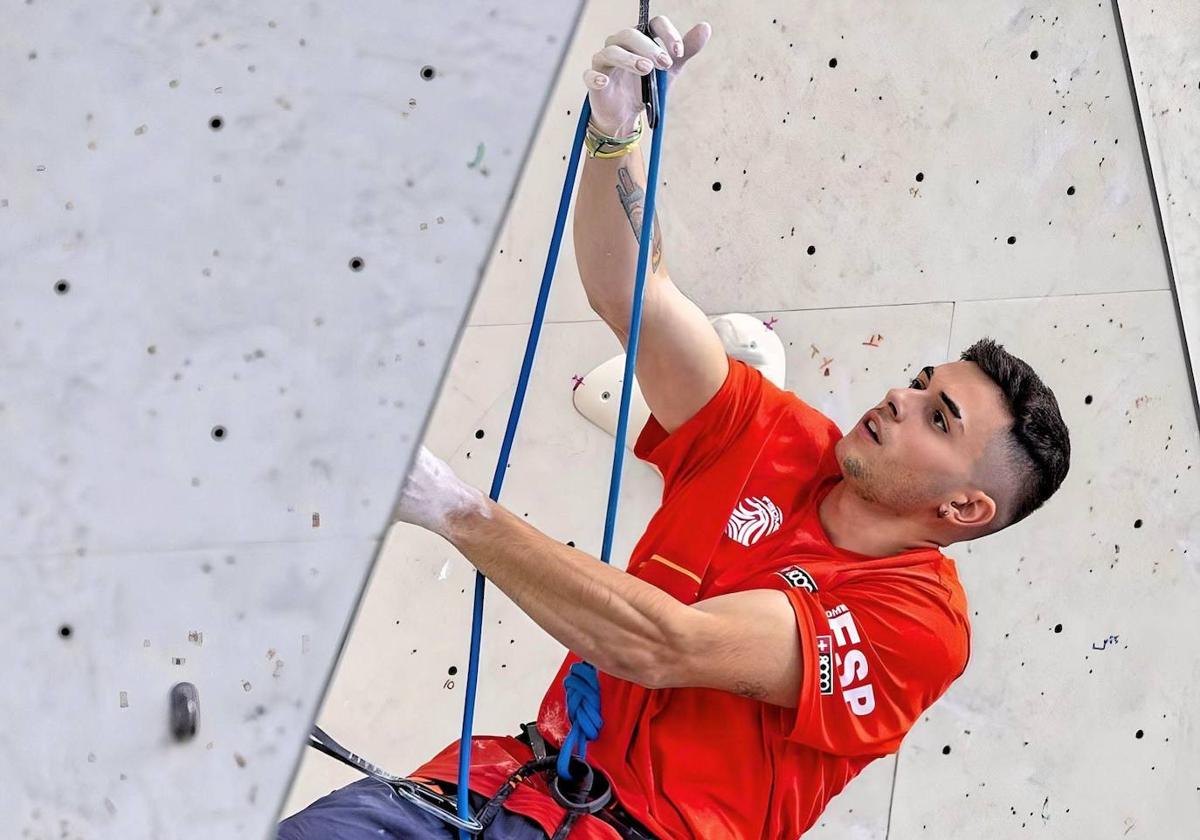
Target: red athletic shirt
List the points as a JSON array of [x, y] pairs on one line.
[[881, 638]]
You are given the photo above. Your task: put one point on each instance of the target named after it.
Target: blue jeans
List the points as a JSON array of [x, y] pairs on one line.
[[370, 810]]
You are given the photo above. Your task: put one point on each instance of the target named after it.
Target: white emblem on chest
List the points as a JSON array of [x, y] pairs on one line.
[[754, 519]]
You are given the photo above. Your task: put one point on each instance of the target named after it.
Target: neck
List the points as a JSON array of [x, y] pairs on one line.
[[854, 524]]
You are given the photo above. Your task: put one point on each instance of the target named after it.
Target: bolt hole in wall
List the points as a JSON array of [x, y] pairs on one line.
[[65, 631], [427, 73]]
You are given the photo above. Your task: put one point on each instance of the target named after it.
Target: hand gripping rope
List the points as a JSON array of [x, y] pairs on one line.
[[581, 684]]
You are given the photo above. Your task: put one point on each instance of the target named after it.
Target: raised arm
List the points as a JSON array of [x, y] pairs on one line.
[[681, 361]]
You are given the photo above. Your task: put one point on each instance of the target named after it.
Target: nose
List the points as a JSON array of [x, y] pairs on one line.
[[895, 403]]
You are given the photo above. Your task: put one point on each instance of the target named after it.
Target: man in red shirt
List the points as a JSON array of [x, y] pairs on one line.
[[788, 614]]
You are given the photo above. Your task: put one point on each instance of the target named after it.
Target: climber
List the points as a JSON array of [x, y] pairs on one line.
[[788, 614]]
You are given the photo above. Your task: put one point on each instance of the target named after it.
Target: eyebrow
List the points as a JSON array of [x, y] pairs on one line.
[[950, 404]]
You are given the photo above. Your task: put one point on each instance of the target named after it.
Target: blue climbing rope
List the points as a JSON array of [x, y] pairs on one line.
[[581, 684]]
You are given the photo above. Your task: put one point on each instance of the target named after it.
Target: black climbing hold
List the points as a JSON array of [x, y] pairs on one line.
[[716, 186], [185, 711]]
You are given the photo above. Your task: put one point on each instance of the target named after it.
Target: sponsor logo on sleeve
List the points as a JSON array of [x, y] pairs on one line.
[[797, 578], [825, 663]]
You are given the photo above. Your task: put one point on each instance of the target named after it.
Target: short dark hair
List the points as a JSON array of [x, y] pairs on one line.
[[1038, 446]]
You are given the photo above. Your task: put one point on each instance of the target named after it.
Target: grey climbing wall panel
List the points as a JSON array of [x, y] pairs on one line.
[[237, 245], [853, 174], [1163, 48]]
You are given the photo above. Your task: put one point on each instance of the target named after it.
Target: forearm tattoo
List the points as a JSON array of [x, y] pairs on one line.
[[633, 199]]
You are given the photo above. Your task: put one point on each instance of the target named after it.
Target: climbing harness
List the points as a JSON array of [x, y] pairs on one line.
[[579, 788], [603, 806], [421, 796]]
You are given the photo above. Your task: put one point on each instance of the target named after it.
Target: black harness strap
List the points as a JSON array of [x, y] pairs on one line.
[[610, 811]]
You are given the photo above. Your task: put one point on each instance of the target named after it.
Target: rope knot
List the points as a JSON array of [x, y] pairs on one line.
[[583, 710]]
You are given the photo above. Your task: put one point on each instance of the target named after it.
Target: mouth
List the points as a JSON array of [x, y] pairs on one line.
[[870, 426]]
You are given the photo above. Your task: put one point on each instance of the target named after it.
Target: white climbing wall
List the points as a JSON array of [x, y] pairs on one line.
[[237, 244], [854, 174]]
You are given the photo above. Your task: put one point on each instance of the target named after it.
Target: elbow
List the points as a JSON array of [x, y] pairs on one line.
[[663, 674], [643, 663], [669, 661], [609, 310], [649, 670], [597, 306]]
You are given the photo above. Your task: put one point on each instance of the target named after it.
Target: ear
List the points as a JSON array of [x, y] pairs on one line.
[[973, 509]]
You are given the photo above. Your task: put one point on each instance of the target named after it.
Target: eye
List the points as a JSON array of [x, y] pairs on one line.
[[937, 414]]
